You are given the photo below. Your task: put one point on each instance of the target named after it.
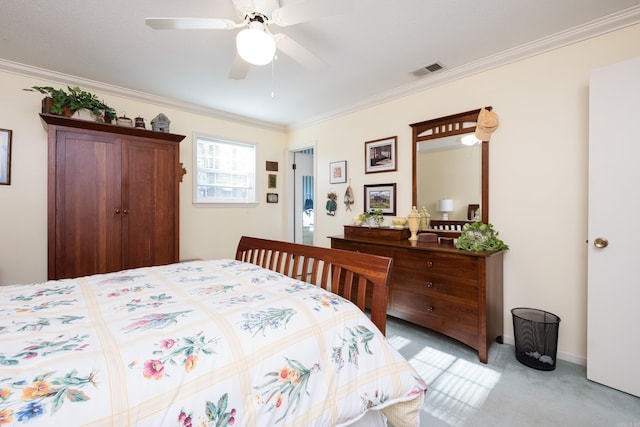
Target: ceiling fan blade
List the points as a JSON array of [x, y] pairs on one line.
[[239, 69], [308, 10], [191, 24], [298, 53]]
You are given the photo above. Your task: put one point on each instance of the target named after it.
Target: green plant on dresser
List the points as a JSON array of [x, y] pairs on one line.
[[480, 237]]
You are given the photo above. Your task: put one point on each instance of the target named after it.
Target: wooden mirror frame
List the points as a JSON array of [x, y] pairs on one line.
[[455, 124]]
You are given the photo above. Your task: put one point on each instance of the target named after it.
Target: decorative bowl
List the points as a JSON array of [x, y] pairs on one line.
[[399, 222]]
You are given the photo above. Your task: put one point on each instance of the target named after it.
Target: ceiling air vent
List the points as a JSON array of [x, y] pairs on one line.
[[427, 69]]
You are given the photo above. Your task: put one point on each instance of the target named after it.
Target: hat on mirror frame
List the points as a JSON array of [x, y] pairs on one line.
[[486, 124]]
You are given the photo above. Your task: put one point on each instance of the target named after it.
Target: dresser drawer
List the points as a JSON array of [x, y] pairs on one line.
[[362, 247], [464, 267], [436, 285], [438, 313]]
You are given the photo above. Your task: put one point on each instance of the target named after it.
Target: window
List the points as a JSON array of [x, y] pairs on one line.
[[225, 171]]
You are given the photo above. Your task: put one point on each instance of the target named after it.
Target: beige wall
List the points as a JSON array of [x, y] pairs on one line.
[[538, 173], [205, 232], [538, 169]]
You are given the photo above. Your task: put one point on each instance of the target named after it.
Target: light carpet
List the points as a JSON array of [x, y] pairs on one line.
[[464, 392]]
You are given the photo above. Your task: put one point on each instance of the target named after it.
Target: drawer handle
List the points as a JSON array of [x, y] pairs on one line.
[[430, 308], [429, 284], [429, 263]]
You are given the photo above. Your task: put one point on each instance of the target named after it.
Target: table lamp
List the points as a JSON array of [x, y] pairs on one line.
[[445, 206]]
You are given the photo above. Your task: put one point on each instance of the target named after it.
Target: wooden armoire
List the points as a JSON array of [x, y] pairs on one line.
[[113, 197]]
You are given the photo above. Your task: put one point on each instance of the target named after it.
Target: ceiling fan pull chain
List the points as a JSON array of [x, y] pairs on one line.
[[273, 91]]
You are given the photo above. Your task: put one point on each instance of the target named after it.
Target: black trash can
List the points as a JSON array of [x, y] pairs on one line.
[[536, 337]]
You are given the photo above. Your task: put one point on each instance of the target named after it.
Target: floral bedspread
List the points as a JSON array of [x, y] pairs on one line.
[[202, 343]]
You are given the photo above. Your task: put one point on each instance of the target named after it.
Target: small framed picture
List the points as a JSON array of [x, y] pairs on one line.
[[273, 180], [380, 155], [272, 197], [5, 157], [381, 196], [271, 166], [338, 172]]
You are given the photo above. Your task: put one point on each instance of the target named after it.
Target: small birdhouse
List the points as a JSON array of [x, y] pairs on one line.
[[160, 123]]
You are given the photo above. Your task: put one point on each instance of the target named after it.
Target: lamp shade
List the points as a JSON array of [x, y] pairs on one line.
[[255, 45], [444, 205]]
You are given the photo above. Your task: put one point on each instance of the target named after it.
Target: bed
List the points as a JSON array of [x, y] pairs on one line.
[[208, 343]]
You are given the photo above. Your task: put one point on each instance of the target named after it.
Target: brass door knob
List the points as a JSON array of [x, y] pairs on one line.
[[600, 242]]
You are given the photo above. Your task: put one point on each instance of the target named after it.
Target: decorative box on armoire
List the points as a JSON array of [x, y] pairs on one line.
[[113, 197]]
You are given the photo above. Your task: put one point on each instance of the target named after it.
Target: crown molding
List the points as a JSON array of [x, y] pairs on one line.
[[609, 23], [104, 88]]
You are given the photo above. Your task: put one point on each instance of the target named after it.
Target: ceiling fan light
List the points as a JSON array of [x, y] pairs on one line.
[[470, 140], [255, 46]]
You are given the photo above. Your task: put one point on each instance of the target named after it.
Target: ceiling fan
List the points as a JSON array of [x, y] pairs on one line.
[[256, 44]]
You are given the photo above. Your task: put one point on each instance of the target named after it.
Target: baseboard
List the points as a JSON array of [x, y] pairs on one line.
[[567, 357]]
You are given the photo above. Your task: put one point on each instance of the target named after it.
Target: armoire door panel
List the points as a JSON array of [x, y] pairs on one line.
[[87, 199], [150, 186]]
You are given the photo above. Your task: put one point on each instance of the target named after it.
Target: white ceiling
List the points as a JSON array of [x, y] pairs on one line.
[[371, 52]]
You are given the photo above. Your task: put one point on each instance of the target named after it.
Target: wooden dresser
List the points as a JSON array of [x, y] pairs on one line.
[[457, 293]]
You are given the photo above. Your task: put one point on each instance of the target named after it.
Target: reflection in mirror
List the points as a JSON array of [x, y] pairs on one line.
[[446, 169]]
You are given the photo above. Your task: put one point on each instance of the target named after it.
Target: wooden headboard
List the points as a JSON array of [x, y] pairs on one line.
[[359, 277]]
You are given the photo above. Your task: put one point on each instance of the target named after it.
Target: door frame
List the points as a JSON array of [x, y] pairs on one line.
[[291, 190]]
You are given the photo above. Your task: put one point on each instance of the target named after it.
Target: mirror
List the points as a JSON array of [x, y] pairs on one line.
[[445, 170]]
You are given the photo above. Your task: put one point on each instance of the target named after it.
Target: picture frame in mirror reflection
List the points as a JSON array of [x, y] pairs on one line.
[[5, 156], [380, 155], [338, 172], [380, 196]]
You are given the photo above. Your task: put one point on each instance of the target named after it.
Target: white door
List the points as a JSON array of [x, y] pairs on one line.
[[613, 340]]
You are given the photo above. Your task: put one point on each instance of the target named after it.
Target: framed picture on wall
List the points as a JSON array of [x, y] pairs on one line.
[[380, 155], [338, 172], [272, 197], [5, 157], [271, 166], [381, 196], [273, 180]]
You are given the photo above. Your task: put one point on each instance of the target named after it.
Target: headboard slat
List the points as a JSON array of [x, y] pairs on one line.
[[355, 276]]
